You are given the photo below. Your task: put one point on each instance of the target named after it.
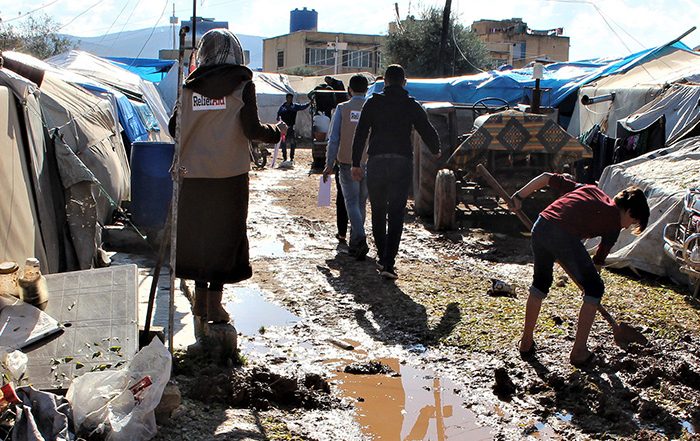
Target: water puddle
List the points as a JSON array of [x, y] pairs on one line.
[[270, 247], [564, 416], [252, 312], [688, 426], [416, 405]]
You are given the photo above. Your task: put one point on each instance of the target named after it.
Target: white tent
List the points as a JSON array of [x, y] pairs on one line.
[[633, 89], [664, 175], [679, 108]]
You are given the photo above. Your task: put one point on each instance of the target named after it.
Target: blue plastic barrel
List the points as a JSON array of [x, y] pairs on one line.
[[151, 185]]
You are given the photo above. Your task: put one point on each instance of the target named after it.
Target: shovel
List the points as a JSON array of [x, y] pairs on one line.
[[623, 333]]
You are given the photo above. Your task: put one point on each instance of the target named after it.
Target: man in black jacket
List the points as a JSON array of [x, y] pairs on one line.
[[388, 119]]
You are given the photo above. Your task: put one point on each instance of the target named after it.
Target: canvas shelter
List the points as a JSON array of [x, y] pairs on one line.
[[28, 207], [664, 175], [678, 106], [634, 86], [127, 82], [130, 120], [83, 151]]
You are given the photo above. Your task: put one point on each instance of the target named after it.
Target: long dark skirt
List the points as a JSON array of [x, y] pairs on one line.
[[212, 244]]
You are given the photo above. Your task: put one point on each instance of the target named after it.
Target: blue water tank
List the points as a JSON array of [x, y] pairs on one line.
[[151, 185], [303, 20]]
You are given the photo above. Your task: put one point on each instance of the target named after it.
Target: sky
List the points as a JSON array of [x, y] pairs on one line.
[[609, 28]]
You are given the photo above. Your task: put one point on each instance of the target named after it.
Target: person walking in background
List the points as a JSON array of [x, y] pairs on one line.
[[339, 160], [388, 118], [288, 113], [583, 211], [219, 117]]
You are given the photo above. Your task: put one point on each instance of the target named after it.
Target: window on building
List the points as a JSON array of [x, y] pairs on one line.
[[280, 58], [320, 57], [358, 58]]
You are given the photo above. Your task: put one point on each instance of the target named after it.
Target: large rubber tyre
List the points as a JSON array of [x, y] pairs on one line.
[[318, 154], [444, 215]]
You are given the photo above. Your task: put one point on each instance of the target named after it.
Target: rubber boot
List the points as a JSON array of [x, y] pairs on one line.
[[216, 313], [199, 305]]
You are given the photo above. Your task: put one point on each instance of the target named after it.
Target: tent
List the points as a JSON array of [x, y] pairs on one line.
[[127, 82], [80, 152], [664, 175], [29, 207], [633, 87], [133, 126], [678, 105]]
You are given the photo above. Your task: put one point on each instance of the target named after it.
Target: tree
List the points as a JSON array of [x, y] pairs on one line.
[[416, 46], [35, 36]]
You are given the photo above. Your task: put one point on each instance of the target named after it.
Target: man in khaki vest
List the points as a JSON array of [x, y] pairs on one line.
[[343, 125]]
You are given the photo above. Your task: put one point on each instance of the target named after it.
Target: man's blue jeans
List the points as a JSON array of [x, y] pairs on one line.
[[355, 194], [388, 182], [550, 242], [291, 138]]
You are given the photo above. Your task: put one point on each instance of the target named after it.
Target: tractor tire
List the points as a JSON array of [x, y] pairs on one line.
[[318, 155], [444, 215]]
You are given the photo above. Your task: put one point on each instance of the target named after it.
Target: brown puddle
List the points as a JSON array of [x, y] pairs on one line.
[[414, 406]]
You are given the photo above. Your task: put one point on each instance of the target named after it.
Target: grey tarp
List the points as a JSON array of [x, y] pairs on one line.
[[679, 107], [121, 79], [91, 160], [664, 175], [20, 235]]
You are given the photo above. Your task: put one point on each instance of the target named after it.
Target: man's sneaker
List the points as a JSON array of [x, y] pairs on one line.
[[361, 251], [389, 273]]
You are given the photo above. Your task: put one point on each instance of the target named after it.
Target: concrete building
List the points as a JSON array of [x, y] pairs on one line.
[[513, 42], [323, 53]]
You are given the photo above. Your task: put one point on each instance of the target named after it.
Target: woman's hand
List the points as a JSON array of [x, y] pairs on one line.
[[357, 173], [282, 126]]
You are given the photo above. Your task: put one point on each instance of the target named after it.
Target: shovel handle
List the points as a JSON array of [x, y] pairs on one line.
[[496, 186]]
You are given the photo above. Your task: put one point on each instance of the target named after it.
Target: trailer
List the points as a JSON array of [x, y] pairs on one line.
[[513, 145]]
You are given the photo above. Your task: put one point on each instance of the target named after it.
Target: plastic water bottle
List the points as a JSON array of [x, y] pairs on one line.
[[32, 284], [9, 273]]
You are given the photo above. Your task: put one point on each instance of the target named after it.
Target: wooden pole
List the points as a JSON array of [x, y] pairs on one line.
[[441, 67], [177, 178]]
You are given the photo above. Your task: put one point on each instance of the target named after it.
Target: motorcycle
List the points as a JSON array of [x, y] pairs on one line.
[[258, 155]]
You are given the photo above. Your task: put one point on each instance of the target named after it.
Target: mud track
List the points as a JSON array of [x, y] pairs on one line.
[[438, 323]]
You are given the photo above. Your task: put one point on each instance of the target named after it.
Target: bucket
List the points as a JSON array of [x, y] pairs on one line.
[[151, 184]]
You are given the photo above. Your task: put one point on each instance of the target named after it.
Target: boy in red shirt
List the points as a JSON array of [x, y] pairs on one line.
[[582, 212]]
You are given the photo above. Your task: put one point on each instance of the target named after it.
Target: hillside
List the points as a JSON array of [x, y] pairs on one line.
[[129, 43]]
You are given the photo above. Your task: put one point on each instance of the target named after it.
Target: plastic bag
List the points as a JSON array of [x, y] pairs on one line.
[[120, 403], [13, 362]]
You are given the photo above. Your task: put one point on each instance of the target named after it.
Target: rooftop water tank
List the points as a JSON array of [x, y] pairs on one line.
[[303, 20]]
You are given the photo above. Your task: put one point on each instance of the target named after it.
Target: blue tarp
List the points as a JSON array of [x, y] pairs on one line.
[[128, 118], [150, 69], [560, 80]]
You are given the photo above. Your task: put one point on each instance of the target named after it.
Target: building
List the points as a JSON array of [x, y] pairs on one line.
[[306, 50], [512, 42], [322, 53]]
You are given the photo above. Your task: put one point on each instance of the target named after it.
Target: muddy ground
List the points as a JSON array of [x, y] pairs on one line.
[[435, 356]]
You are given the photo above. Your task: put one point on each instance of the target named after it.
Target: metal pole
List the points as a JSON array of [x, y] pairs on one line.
[[177, 178], [335, 67], [194, 24]]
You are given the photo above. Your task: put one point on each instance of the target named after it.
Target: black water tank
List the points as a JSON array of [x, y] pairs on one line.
[[303, 20]]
